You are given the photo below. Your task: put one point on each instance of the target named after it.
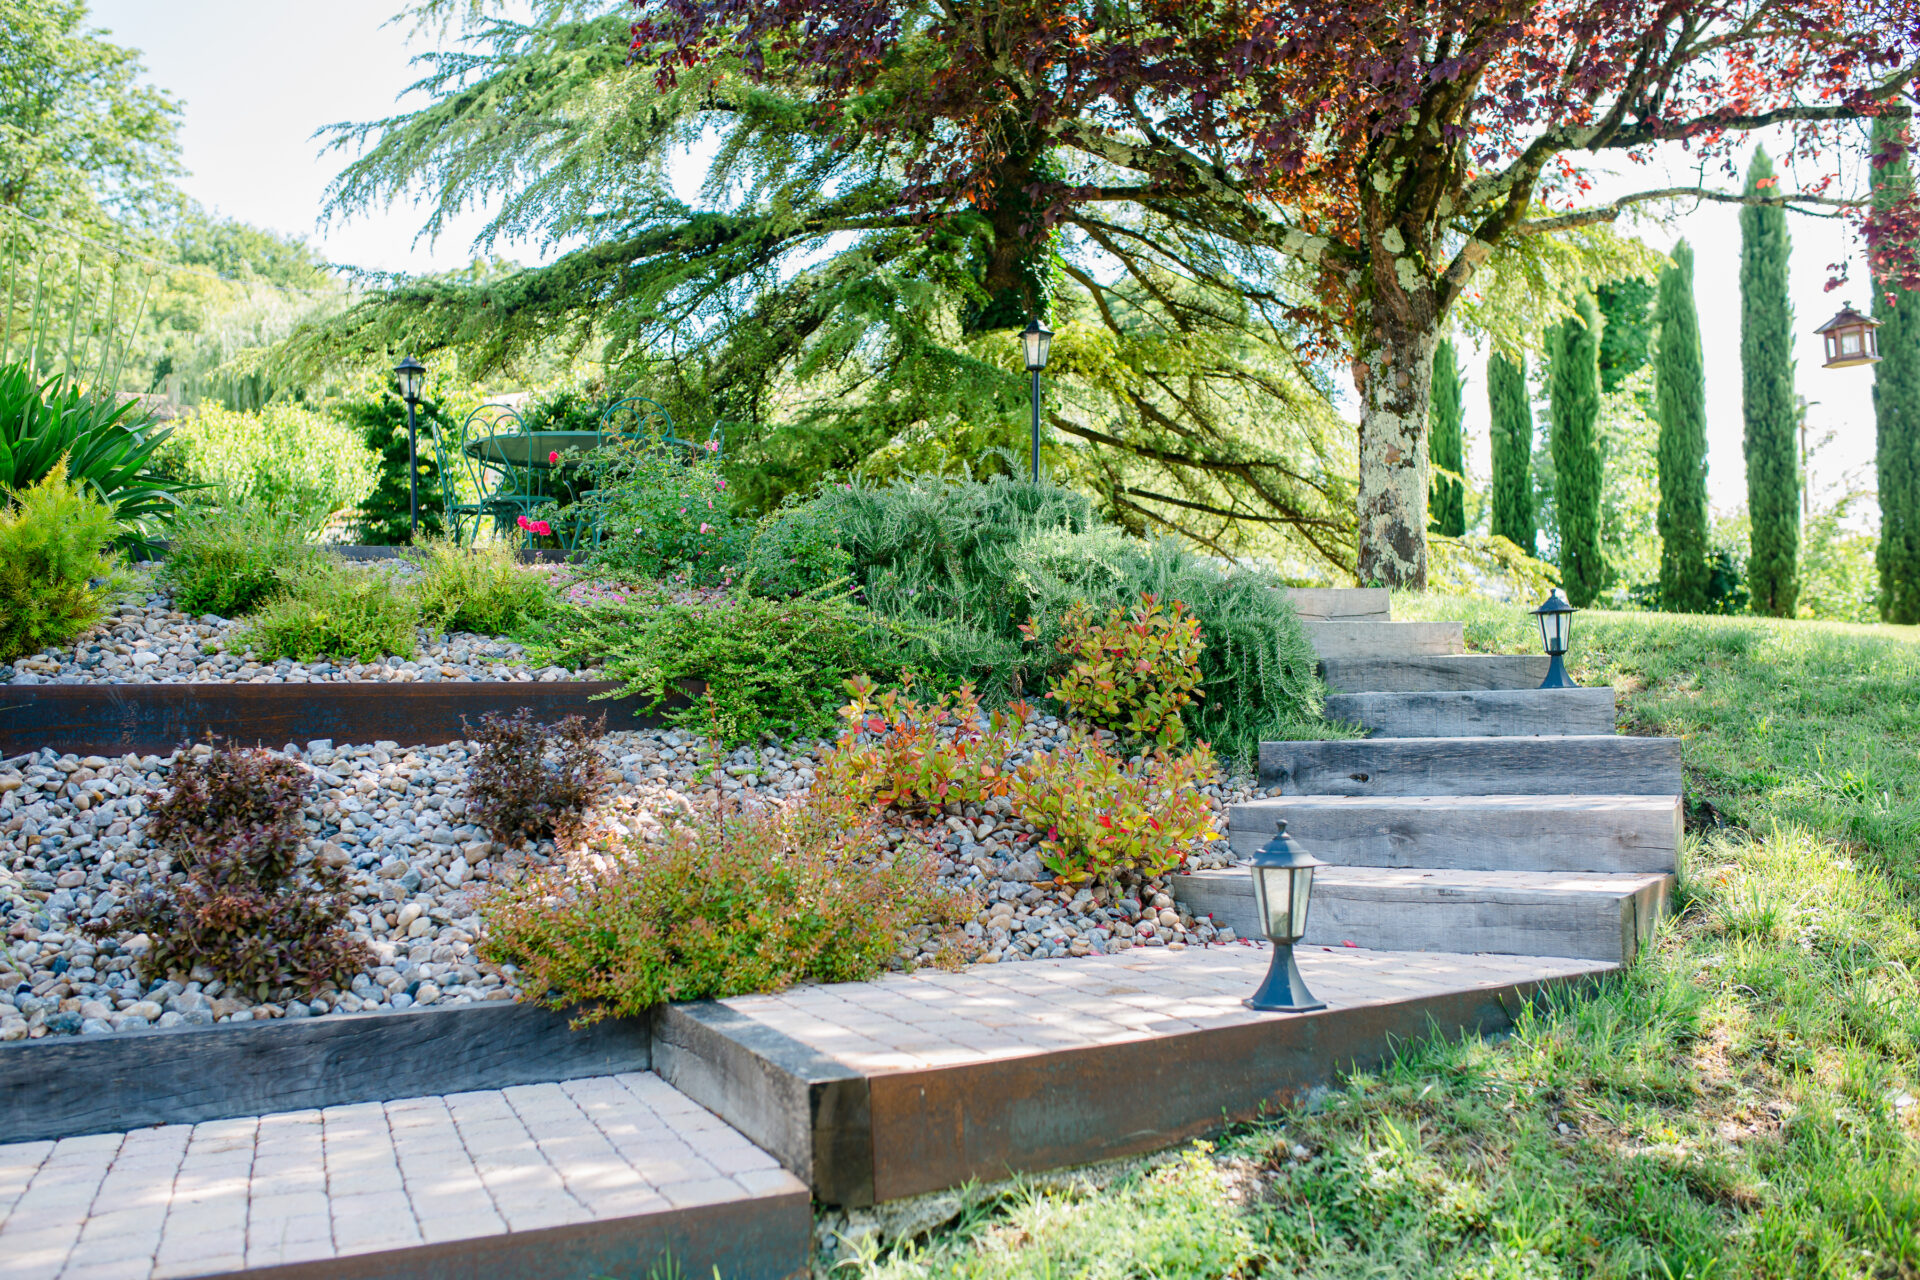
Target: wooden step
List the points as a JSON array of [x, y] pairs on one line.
[[1472, 833], [1385, 639], [1584, 915], [1342, 604], [1436, 671], [1478, 713], [1603, 764]]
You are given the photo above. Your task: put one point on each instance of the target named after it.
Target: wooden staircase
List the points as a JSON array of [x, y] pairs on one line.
[[1484, 814]]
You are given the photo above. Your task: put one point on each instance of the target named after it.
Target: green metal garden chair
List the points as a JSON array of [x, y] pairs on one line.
[[485, 473]]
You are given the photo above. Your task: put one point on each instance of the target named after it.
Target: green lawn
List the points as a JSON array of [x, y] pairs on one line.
[[1738, 1104]]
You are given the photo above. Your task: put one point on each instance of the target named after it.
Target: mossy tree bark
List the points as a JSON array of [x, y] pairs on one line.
[[1896, 409], [1446, 447], [1680, 390], [1511, 410], [1772, 417], [1573, 369]]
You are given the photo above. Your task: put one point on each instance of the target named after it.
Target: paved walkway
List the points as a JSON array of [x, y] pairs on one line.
[[194, 1200], [934, 1019]]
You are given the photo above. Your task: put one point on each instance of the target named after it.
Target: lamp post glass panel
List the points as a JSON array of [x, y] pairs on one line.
[[1038, 341], [1850, 339], [1282, 888], [413, 380], [1556, 633]]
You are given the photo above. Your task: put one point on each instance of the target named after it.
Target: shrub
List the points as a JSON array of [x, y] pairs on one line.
[[107, 448], [481, 589], [1101, 815], [285, 458], [765, 667], [529, 781], [725, 901], [384, 516], [913, 755], [228, 559], [1133, 673], [328, 610], [244, 904], [659, 512], [55, 568], [795, 550]]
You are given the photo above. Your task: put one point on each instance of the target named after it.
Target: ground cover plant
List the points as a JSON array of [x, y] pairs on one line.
[[1739, 1103], [56, 563], [533, 781], [241, 900], [229, 557], [328, 609], [483, 589]]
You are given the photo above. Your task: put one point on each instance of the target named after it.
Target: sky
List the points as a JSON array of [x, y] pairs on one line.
[[259, 79]]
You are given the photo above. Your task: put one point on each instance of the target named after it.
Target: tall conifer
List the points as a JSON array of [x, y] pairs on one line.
[[1680, 389], [1447, 502], [1896, 409], [1511, 410], [1772, 417], [1573, 384]]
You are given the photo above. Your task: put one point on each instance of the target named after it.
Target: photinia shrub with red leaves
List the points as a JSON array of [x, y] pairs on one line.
[[917, 755], [1100, 815]]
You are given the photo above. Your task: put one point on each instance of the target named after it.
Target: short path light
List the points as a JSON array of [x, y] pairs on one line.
[[1851, 339], [1282, 884], [1556, 630]]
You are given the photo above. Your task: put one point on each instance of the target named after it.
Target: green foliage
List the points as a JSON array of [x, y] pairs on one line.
[[917, 755], [230, 558], [484, 589], [1681, 387], [659, 512], [384, 517], [725, 901], [1446, 447], [1627, 331], [243, 902], [796, 549], [331, 610], [1511, 408], [533, 781], [55, 564], [1771, 413], [1896, 408], [756, 667], [1573, 349], [283, 458], [1838, 582], [107, 448], [1100, 815], [1133, 674]]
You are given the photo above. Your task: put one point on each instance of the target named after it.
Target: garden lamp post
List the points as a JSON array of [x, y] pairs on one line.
[[1038, 340], [413, 378], [1282, 884], [1851, 339], [1556, 630]]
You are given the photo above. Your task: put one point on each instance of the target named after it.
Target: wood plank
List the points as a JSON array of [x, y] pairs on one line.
[[114, 719], [1424, 672], [1582, 915], [66, 1085], [1385, 639], [1478, 713], [1342, 604], [1480, 833], [1605, 764]]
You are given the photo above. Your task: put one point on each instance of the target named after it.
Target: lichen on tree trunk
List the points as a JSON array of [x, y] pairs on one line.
[[1393, 373]]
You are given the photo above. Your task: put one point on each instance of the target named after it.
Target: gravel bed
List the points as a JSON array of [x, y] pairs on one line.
[[147, 641], [72, 845]]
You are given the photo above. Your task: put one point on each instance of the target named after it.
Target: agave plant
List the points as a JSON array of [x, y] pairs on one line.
[[108, 446]]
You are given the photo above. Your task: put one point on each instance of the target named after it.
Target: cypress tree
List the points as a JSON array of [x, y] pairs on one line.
[[1896, 409], [1511, 410], [1680, 388], [1573, 386], [1772, 417], [1447, 502]]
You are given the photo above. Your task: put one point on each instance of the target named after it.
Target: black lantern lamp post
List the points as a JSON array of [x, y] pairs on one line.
[[1851, 339], [1038, 341], [1282, 885], [413, 380], [1556, 630]]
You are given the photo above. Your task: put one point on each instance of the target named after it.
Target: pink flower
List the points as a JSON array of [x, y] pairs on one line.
[[683, 511], [553, 458], [705, 527], [525, 524], [543, 528], [713, 446], [720, 484]]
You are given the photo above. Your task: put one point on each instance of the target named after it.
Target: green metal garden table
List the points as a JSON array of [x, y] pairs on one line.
[[532, 448]]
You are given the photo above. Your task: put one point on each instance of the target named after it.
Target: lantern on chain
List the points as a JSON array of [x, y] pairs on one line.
[[1850, 339]]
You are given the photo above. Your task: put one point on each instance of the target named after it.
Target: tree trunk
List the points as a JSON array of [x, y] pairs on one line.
[[1393, 373]]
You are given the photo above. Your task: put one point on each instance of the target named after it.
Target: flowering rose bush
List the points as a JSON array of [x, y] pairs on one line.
[[660, 512]]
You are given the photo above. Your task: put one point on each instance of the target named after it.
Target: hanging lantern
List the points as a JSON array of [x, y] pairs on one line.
[[1851, 339]]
